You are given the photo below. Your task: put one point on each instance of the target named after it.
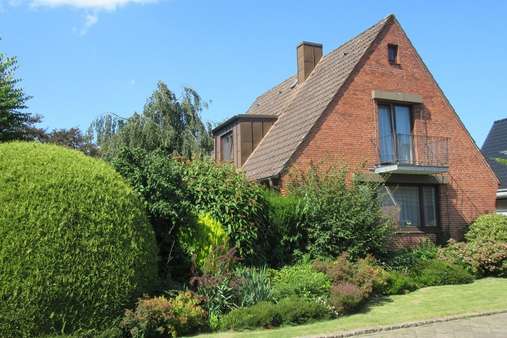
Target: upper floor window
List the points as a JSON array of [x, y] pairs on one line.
[[227, 146], [395, 133], [392, 54]]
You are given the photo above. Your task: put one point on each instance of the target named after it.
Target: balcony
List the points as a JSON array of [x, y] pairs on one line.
[[412, 154]]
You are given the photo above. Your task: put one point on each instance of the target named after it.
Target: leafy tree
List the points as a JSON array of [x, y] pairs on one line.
[[72, 138], [14, 124], [167, 124]]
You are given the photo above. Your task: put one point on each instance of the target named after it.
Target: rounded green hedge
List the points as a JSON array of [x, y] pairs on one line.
[[490, 227], [75, 244]]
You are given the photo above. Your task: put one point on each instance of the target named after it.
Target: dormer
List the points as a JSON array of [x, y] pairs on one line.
[[236, 138]]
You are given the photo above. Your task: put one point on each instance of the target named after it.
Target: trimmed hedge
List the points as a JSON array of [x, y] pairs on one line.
[[291, 310], [75, 244]]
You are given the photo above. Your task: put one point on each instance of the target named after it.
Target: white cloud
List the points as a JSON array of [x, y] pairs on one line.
[[90, 20], [88, 4]]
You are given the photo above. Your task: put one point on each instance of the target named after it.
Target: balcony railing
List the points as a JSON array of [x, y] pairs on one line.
[[413, 150]]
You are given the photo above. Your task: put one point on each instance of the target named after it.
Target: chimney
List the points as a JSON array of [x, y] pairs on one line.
[[308, 55]]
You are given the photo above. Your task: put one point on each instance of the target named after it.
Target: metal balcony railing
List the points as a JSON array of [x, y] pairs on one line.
[[415, 150]]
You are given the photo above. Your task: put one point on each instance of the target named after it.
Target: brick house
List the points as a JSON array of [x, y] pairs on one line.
[[493, 148], [373, 101]]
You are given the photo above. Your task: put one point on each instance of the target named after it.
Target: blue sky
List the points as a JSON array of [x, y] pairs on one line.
[[81, 58]]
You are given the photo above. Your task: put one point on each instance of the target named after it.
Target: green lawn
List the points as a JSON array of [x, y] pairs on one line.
[[487, 294]]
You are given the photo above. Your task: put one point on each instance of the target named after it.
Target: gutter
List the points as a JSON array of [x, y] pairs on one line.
[[501, 193]]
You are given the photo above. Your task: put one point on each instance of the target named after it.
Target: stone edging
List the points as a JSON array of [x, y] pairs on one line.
[[406, 325]]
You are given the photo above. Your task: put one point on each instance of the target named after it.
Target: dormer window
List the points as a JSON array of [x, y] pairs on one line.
[[392, 54]]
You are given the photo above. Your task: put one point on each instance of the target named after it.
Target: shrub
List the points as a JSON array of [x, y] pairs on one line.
[[201, 239], [490, 227], [483, 258], [232, 200], [406, 258], [75, 244], [346, 296], [159, 180], [399, 283], [217, 283], [338, 216], [190, 316], [295, 310], [163, 317], [286, 232], [300, 280], [264, 314], [437, 272], [253, 285], [153, 317], [363, 273]]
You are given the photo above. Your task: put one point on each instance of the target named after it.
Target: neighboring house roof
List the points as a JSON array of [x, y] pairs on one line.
[[299, 106], [494, 147]]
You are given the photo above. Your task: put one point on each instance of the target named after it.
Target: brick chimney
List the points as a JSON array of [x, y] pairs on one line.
[[308, 55]]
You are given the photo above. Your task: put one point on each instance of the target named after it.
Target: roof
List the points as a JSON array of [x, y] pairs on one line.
[[299, 106], [494, 147]]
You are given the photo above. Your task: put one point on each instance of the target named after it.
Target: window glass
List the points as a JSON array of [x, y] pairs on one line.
[[407, 199], [403, 202], [386, 135], [227, 147], [430, 205], [392, 53]]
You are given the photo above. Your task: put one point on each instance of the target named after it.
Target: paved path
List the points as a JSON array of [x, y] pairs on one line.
[[494, 326]]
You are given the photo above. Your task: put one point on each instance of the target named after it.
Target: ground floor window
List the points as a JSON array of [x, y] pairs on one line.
[[415, 205]]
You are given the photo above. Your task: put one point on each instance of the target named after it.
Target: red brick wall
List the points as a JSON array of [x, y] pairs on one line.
[[347, 131]]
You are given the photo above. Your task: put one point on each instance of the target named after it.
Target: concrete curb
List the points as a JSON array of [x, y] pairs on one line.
[[405, 325]]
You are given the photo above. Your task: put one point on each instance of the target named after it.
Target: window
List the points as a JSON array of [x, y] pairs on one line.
[[416, 205], [227, 146], [392, 54], [395, 134]]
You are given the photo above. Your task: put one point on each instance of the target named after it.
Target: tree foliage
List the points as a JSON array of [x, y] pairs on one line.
[[168, 124], [72, 138], [14, 123]]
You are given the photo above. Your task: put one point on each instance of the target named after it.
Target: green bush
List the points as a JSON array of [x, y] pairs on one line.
[[482, 257], [159, 180], [339, 215], [161, 317], [399, 283], [253, 285], [202, 238], [286, 231], [75, 244], [437, 272], [490, 227], [264, 314], [296, 310], [406, 258], [300, 280], [239, 205]]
